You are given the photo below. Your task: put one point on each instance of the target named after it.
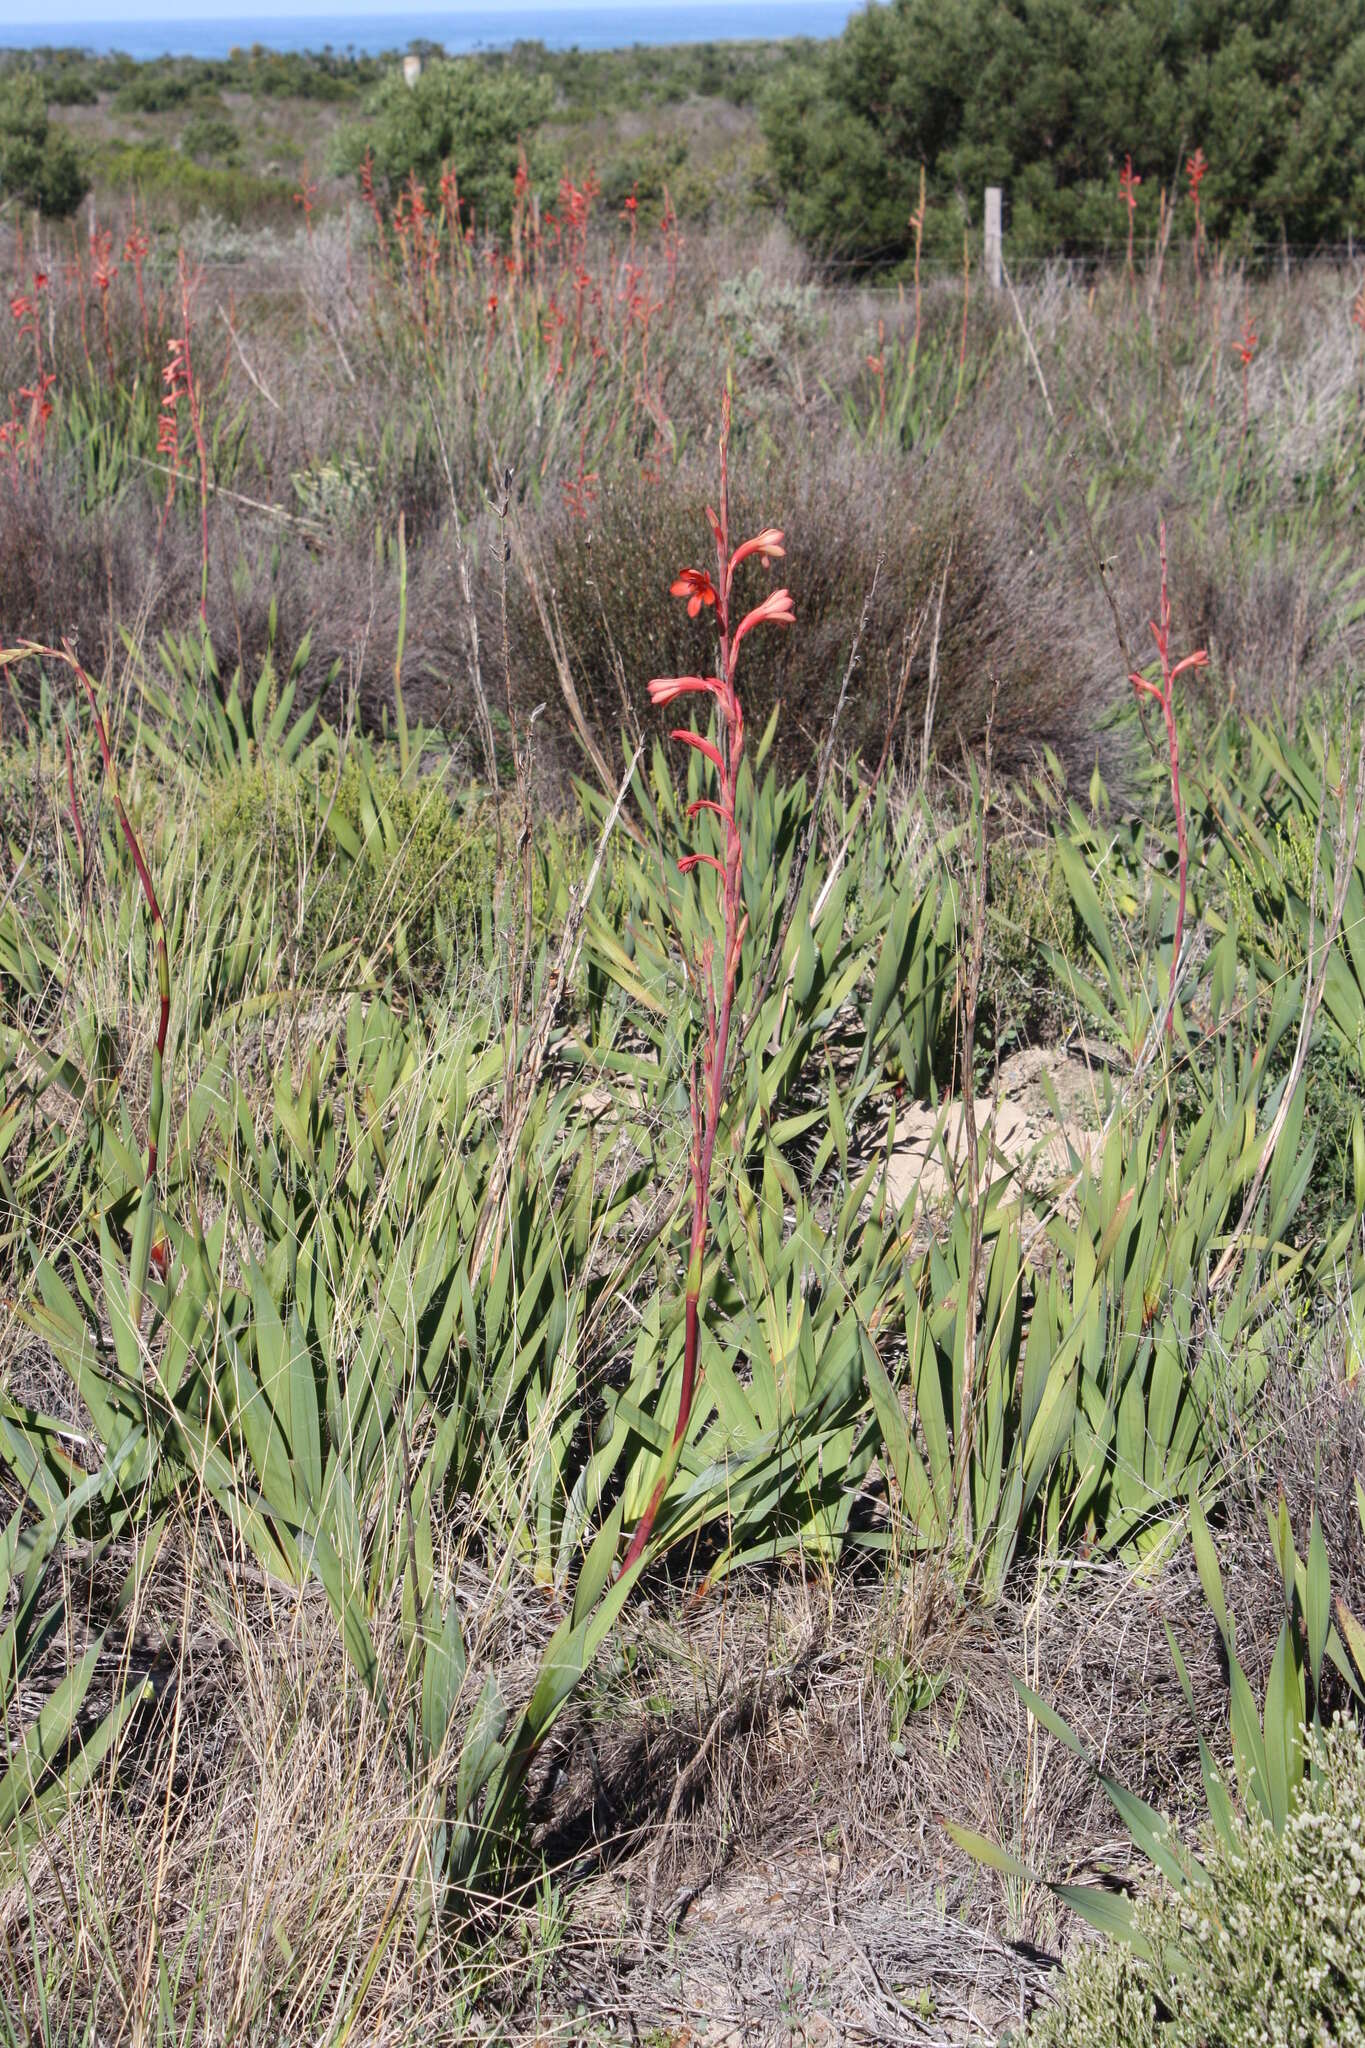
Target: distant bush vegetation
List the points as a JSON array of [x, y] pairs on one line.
[[460, 113], [39, 165], [1045, 97], [171, 182]]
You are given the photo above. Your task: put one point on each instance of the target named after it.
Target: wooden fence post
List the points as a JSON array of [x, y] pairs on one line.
[[993, 237]]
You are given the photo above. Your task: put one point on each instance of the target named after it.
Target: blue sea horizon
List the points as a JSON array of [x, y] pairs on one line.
[[459, 30]]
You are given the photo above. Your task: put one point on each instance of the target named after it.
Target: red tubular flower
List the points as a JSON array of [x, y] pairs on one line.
[[775, 610], [663, 689], [685, 734], [696, 586], [766, 545]]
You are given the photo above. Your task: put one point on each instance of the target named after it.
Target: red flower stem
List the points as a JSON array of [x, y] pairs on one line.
[[717, 1043], [1183, 856], [1165, 696]]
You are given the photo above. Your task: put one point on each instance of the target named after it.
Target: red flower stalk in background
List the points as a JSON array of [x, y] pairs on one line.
[[1246, 349], [1195, 167], [179, 382], [1128, 184], [723, 755], [306, 197], [877, 365], [39, 413], [1164, 693], [104, 270], [168, 422], [136, 247], [917, 223]]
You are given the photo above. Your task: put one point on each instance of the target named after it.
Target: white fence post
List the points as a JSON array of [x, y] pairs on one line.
[[993, 236]]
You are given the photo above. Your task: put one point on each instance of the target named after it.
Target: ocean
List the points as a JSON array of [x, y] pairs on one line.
[[460, 29]]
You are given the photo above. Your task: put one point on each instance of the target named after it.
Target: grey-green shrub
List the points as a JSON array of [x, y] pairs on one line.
[[1271, 1951]]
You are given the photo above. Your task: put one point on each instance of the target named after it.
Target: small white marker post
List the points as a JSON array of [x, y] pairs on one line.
[[994, 240]]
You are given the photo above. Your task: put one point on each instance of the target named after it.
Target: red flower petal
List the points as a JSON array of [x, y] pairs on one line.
[[694, 739], [663, 689]]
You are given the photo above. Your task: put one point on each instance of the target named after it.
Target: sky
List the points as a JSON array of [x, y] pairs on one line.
[[26, 11]]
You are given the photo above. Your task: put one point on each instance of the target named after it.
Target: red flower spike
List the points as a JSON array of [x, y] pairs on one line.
[[696, 586], [714, 974]]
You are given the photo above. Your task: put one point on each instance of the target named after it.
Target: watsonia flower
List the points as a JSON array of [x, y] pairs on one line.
[[723, 754]]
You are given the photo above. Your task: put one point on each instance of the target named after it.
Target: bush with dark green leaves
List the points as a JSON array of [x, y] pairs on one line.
[[1045, 98], [154, 89], [470, 116], [210, 138], [39, 165], [1272, 1949]]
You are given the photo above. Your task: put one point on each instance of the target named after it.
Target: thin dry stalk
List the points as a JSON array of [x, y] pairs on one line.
[[931, 694], [226, 319]]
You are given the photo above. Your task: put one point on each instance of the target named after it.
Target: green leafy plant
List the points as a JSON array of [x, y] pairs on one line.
[[1270, 1942]]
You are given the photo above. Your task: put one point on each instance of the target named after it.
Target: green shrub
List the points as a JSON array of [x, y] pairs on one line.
[[153, 89], [39, 165], [427, 868], [643, 171], [169, 183], [385, 862], [463, 114], [1045, 97], [210, 136], [1271, 1950], [765, 320]]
